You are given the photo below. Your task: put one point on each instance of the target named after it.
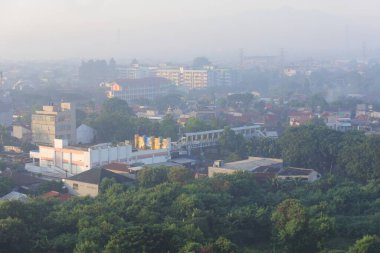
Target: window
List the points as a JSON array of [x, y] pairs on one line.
[[75, 186]]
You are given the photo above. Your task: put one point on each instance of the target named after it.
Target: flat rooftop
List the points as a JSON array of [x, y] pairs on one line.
[[252, 163]]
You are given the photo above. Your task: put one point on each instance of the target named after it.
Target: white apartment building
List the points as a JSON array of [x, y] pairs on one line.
[[133, 72], [189, 78], [197, 78], [131, 90], [68, 160]]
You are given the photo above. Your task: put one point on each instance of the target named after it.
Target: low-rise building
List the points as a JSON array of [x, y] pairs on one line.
[[87, 183], [66, 160], [250, 165], [15, 196], [22, 182], [339, 124], [264, 168], [299, 174]]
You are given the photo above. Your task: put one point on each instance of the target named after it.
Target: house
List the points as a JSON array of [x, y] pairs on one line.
[[87, 183], [264, 168], [123, 169], [298, 118], [251, 165], [299, 174], [21, 181], [14, 196]]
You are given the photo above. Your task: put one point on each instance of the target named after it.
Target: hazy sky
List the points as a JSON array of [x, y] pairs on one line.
[[175, 29]]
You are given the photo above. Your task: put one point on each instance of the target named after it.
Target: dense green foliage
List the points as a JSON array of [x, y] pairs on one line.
[[6, 185], [115, 114], [170, 212], [350, 154]]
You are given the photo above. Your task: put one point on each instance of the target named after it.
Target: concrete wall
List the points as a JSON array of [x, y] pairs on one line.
[[83, 189], [149, 156], [106, 154], [72, 160], [216, 170]]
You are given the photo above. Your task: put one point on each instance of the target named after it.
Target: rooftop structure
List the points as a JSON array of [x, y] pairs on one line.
[[87, 183], [264, 168], [251, 165], [15, 196]]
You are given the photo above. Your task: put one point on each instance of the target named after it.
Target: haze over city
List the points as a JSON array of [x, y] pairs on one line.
[[198, 126], [179, 30]]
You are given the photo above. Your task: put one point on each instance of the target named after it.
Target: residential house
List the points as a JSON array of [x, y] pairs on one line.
[[87, 183]]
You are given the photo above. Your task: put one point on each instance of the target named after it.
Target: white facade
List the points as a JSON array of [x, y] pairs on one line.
[[85, 134], [133, 72], [74, 160]]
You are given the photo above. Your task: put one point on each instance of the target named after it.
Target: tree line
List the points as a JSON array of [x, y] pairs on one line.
[[353, 154], [168, 211]]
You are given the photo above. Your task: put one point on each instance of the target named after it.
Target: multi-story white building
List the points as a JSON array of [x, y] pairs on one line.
[[197, 78], [65, 160], [134, 71], [134, 89], [54, 122], [189, 78]]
